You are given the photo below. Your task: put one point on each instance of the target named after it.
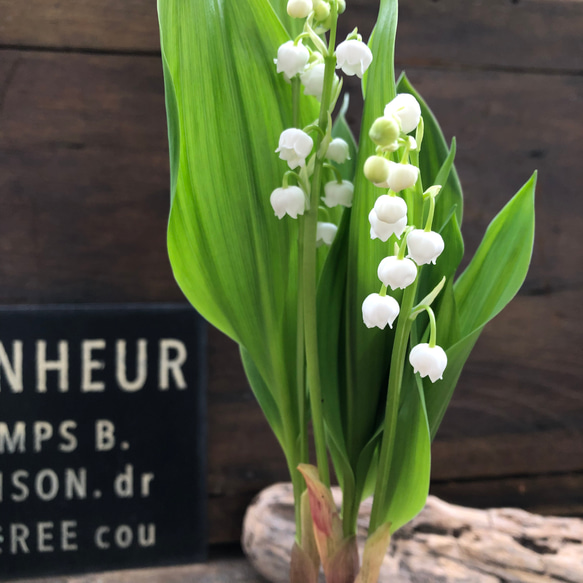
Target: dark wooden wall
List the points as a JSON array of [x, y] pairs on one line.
[[84, 200]]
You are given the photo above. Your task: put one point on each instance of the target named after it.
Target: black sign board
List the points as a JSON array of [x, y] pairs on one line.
[[101, 438]]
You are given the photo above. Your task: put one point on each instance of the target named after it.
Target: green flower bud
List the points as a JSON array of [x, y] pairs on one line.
[[376, 169], [321, 10], [385, 131], [341, 6]]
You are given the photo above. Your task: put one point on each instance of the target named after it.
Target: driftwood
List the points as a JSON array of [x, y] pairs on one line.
[[443, 544]]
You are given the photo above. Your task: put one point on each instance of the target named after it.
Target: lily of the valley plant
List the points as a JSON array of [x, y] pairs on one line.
[[332, 265]]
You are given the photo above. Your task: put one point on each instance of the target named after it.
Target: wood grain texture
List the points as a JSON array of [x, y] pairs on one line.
[[131, 25], [533, 34], [539, 34], [560, 495], [84, 179]]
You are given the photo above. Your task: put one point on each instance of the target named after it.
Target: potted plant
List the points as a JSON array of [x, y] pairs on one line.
[[333, 265]]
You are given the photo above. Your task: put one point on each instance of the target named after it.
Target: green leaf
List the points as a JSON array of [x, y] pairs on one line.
[[499, 266], [411, 462], [233, 259], [330, 337], [263, 395], [490, 281]]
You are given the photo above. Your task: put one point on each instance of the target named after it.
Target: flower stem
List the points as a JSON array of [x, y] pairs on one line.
[[404, 324], [309, 269], [392, 407], [299, 485]]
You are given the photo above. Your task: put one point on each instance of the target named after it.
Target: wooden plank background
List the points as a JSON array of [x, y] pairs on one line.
[[84, 201]]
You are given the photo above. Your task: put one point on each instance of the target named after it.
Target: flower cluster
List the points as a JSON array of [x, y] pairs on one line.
[[303, 61], [389, 218]]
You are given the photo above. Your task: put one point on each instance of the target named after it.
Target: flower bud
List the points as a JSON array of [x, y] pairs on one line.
[[321, 10], [353, 57], [341, 6], [338, 194], [424, 247], [390, 209], [376, 169], [338, 151], [407, 109], [381, 230], [402, 176], [313, 80], [397, 273], [288, 201], [299, 8], [379, 311], [294, 147], [291, 59], [428, 361], [385, 131], [325, 233]]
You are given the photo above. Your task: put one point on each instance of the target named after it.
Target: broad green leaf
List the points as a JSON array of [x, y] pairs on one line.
[[263, 395], [330, 338], [490, 281], [499, 266], [411, 462], [439, 394], [448, 327], [231, 256]]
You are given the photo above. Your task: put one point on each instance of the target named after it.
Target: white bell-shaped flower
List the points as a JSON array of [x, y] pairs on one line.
[[397, 273], [407, 109], [291, 58], [376, 169], [378, 311], [288, 201], [390, 209], [381, 230], [353, 57], [338, 194], [428, 361], [325, 233], [402, 176], [313, 80], [424, 247], [338, 151], [294, 147], [299, 8]]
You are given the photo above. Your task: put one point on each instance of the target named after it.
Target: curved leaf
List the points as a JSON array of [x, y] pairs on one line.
[[499, 266], [408, 485], [226, 109], [490, 281]]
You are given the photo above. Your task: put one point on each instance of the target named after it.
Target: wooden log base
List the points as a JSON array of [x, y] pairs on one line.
[[443, 544]]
